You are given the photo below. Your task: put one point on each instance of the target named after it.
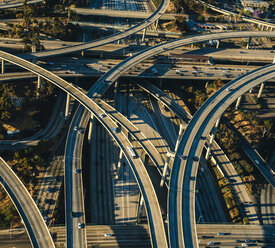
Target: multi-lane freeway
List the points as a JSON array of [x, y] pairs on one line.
[[182, 225], [153, 212], [155, 221]]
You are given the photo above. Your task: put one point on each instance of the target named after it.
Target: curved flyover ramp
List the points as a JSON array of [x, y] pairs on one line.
[[36, 228], [182, 224], [106, 40], [158, 236]]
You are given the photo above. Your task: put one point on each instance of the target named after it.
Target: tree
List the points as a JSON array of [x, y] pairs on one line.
[[201, 18]]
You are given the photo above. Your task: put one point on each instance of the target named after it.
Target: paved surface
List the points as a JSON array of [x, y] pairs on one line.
[[138, 236], [33, 221], [52, 129], [122, 14], [142, 25], [182, 190]]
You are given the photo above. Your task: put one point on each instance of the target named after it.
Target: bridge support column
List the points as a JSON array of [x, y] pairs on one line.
[[140, 208], [273, 60], [156, 24], [262, 29], [119, 164], [179, 136], [118, 42], [218, 44], [214, 131], [3, 66], [143, 35], [163, 178], [90, 128], [251, 90], [82, 53], [238, 102], [248, 43], [38, 86], [260, 90], [67, 107]]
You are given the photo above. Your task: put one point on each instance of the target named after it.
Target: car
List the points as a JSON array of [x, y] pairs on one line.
[[195, 158], [183, 157], [108, 235], [257, 162], [102, 115], [250, 241], [14, 143], [81, 131], [221, 233], [75, 128], [77, 170], [210, 243], [81, 225], [244, 244], [239, 241]]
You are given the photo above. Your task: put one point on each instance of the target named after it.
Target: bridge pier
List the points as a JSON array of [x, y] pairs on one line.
[[82, 53], [90, 128], [214, 131], [67, 107], [165, 168], [140, 208], [143, 35], [218, 44], [38, 86], [163, 178], [238, 102], [156, 24], [260, 90], [179, 136], [248, 43], [3, 66], [262, 29]]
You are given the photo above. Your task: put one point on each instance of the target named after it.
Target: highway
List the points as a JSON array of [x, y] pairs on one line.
[[153, 212], [138, 236], [123, 14], [52, 129], [142, 25], [26, 207], [73, 156], [74, 198], [16, 4], [117, 70], [182, 228]]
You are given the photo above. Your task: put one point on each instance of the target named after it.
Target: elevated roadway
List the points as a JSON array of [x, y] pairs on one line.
[[26, 207], [158, 236], [106, 40], [182, 224], [107, 80], [16, 4], [53, 127], [123, 14]]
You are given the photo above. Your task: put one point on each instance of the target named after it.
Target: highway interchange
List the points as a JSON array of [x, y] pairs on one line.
[[179, 223]]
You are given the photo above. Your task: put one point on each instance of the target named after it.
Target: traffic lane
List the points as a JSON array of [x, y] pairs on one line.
[[33, 221]]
